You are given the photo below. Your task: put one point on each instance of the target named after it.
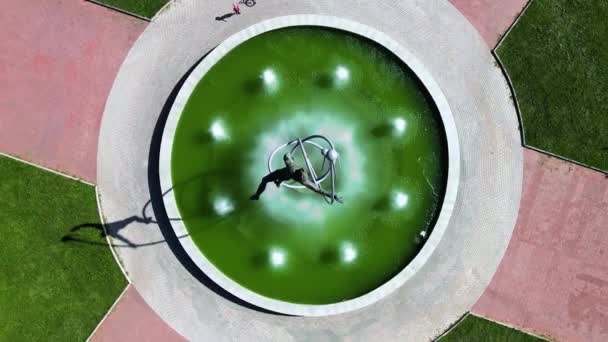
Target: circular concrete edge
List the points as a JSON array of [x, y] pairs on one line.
[[457, 272], [452, 180]]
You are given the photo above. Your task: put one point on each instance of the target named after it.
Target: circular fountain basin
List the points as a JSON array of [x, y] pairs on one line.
[[292, 251]]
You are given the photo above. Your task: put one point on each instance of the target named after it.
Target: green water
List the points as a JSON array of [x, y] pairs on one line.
[[291, 245]]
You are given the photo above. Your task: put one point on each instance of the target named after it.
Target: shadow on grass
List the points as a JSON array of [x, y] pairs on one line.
[[114, 227], [113, 230]]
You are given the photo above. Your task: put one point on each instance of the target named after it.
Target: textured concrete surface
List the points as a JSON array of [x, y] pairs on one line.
[[446, 286], [490, 17], [133, 320], [58, 60], [553, 280]]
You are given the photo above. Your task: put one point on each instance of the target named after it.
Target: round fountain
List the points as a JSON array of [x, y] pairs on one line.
[[359, 116]]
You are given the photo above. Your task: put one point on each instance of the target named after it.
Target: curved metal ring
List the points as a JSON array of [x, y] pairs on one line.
[[307, 141]]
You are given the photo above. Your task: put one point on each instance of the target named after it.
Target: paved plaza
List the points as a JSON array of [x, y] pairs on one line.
[[58, 63], [553, 279], [535, 263]]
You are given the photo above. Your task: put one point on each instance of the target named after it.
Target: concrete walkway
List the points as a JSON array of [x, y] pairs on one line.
[[57, 63], [553, 279], [490, 17], [133, 320]]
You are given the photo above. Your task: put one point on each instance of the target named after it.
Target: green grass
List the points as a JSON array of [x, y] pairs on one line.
[[51, 290], [144, 8], [557, 59], [473, 329]]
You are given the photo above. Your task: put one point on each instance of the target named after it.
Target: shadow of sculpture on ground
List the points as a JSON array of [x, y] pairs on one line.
[[113, 229]]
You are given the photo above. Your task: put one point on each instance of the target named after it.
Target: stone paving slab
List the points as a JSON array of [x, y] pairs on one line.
[[553, 280], [133, 320], [58, 60], [490, 17]]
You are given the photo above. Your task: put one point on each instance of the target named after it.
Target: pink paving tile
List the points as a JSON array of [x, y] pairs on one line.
[[133, 320], [490, 17], [553, 280], [58, 60]]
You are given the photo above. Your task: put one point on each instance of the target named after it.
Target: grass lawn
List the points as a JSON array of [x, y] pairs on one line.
[[50, 290], [557, 59], [474, 329], [145, 8]]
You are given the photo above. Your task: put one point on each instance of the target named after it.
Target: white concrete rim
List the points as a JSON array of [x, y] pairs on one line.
[[458, 270], [449, 199]]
